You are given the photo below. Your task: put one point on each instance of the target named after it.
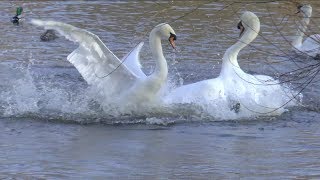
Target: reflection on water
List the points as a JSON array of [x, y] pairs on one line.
[[277, 147]]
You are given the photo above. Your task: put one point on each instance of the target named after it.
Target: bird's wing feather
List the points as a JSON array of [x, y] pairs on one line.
[[94, 61], [132, 61]]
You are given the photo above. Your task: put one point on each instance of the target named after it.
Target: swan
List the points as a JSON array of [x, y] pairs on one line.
[[311, 45], [123, 82], [234, 90]]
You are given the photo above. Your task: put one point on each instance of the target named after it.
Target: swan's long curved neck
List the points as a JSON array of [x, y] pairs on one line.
[[161, 69], [297, 41], [230, 61]]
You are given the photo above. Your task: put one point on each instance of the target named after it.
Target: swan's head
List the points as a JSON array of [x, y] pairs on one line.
[[166, 31], [248, 21], [306, 9]]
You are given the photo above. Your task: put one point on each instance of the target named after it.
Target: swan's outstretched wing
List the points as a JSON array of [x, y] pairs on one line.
[[94, 61], [132, 61]]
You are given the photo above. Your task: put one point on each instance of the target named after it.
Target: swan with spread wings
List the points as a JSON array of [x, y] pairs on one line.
[[125, 82]]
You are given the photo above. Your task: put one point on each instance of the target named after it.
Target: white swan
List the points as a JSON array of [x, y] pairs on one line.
[[311, 45], [234, 90], [101, 68]]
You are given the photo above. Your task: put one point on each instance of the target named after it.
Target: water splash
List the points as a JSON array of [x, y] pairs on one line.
[[63, 96]]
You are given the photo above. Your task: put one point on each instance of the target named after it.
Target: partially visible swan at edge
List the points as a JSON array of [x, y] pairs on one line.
[[234, 90], [311, 45], [101, 68]]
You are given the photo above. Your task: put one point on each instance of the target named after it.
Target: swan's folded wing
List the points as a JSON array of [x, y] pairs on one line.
[[94, 61], [132, 61]]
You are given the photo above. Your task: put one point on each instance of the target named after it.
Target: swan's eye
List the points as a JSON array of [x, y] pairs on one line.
[[173, 36], [299, 7], [240, 25]]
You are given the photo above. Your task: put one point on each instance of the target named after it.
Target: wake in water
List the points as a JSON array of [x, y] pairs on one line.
[[66, 100], [51, 94]]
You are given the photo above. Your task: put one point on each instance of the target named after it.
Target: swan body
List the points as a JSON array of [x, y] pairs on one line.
[[124, 82], [311, 45], [233, 87]]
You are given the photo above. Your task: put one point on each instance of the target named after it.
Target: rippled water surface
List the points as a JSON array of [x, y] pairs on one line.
[[52, 129]]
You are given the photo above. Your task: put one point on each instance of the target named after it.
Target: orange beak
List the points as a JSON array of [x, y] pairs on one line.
[[241, 31], [172, 38]]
